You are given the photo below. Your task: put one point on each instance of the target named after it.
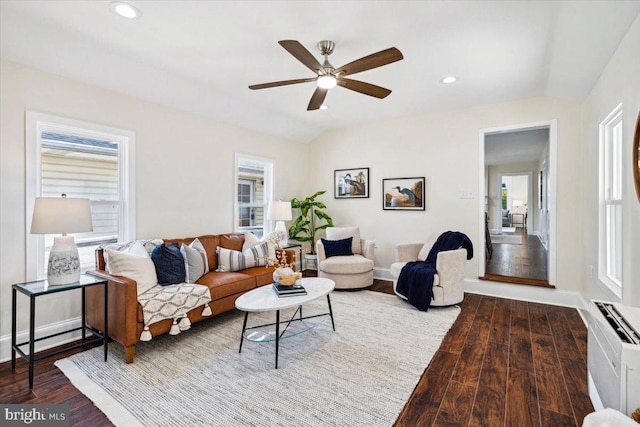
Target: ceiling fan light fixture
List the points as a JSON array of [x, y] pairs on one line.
[[125, 10], [448, 79], [324, 107], [327, 81]]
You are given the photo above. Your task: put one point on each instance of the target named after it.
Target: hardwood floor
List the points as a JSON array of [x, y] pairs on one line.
[[503, 363], [527, 260]]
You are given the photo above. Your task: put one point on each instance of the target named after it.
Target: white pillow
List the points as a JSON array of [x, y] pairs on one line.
[[138, 267], [251, 240], [339, 233], [197, 245], [193, 263], [230, 260], [136, 247], [426, 248]]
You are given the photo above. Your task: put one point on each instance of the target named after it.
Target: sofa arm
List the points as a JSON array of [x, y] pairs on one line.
[[320, 251], [406, 252], [368, 248], [122, 307]]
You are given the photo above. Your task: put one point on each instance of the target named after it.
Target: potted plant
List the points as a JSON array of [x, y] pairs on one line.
[[305, 226]]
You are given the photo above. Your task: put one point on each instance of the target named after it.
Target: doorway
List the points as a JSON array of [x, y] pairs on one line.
[[518, 178]]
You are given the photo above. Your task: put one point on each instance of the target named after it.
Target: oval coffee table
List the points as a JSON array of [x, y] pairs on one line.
[[265, 298]]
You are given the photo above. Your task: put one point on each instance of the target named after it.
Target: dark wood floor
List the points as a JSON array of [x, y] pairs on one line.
[[527, 260], [503, 363]]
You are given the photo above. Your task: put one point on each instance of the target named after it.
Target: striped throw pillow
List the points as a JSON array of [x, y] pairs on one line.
[[230, 260]]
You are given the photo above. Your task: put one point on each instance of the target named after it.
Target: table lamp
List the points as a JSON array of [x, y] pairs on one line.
[[517, 205], [280, 212], [62, 215]]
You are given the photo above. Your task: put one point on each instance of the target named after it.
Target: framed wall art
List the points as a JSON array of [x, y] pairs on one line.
[[403, 194], [351, 183]]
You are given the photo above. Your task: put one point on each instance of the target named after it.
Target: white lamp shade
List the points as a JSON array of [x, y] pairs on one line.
[[279, 211], [61, 215], [517, 203]]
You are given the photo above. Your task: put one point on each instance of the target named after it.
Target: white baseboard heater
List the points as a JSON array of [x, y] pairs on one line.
[[614, 355]]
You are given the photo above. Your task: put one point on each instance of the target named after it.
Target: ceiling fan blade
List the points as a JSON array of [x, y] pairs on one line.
[[317, 99], [302, 54], [364, 88], [374, 60], [282, 83]]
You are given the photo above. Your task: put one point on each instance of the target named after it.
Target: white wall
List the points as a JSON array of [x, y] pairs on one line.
[[184, 171], [443, 147], [619, 83], [495, 195]]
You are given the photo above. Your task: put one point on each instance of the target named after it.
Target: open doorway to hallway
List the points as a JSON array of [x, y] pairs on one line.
[[515, 211]]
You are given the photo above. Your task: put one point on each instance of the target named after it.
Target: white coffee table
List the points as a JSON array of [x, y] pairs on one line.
[[265, 299]]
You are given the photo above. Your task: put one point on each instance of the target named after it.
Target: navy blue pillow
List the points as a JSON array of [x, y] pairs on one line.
[[337, 247], [169, 264]]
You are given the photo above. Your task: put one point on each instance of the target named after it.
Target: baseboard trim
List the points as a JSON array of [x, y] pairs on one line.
[[53, 328], [525, 293]]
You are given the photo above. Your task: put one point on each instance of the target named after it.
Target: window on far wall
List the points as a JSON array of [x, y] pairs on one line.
[[81, 160], [254, 187], [610, 212]]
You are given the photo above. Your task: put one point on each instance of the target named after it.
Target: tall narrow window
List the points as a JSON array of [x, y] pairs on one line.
[[80, 160], [610, 215], [254, 186]]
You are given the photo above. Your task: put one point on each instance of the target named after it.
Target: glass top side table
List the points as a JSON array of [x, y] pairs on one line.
[[42, 287]]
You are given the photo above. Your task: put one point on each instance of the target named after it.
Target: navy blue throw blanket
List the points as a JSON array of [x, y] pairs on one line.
[[416, 278]]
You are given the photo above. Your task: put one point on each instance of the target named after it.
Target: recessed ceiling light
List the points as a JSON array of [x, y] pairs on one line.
[[448, 79], [125, 10], [324, 107]]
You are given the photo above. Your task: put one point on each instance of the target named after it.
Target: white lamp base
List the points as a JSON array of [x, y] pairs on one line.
[[64, 261], [281, 233]]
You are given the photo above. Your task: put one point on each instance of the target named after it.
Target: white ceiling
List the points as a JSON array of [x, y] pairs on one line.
[[200, 56], [515, 147]]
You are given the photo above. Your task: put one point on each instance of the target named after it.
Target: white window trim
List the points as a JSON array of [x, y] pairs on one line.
[[607, 284], [270, 166], [126, 170]]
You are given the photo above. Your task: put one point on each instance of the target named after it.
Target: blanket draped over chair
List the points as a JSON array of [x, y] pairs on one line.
[[416, 278]]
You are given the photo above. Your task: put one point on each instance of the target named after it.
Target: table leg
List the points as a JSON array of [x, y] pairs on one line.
[[277, 335], [244, 328], [106, 319], [13, 329], [32, 338], [84, 316], [331, 313]]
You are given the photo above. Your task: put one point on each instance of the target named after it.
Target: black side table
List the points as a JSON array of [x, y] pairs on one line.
[[42, 287]]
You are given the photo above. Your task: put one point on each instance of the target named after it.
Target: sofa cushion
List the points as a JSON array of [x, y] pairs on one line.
[[263, 275], [352, 264], [232, 241], [138, 267], [208, 242], [195, 262], [231, 260], [169, 264], [222, 284], [396, 268], [337, 247], [338, 233], [135, 246]]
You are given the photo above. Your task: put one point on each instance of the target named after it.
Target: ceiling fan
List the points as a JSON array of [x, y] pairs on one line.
[[328, 76]]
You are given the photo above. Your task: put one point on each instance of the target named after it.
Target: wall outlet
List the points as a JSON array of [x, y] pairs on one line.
[[467, 195]]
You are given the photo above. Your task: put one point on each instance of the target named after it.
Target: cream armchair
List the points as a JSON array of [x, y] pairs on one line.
[[347, 271], [448, 281]]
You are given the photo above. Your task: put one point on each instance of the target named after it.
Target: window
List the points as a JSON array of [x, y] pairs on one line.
[[610, 213], [253, 192], [80, 160]]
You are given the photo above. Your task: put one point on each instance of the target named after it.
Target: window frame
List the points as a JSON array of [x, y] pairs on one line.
[[36, 122], [610, 181], [268, 188]]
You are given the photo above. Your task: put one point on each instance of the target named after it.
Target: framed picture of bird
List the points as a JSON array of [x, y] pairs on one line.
[[403, 194], [351, 183]]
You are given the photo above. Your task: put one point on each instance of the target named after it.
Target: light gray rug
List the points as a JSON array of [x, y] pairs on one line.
[[360, 375], [513, 240]]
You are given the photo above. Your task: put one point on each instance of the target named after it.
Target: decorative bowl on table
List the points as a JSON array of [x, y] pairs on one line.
[[287, 277]]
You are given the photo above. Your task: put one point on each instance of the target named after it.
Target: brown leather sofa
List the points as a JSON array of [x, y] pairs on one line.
[[125, 313]]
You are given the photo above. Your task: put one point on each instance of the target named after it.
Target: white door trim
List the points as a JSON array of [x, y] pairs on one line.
[[552, 125]]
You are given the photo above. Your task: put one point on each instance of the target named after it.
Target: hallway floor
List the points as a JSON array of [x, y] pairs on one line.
[[525, 260]]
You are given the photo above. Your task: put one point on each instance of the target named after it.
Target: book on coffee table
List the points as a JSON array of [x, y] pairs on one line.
[[288, 291]]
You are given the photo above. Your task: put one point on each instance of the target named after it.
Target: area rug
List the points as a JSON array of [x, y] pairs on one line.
[[502, 238], [360, 375]]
